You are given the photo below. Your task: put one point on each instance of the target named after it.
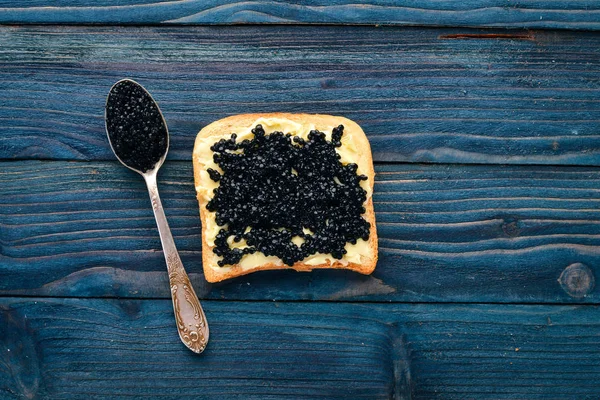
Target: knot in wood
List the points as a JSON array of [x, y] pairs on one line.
[[577, 280], [510, 227]]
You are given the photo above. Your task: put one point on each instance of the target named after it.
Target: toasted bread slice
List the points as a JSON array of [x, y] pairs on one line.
[[355, 148]]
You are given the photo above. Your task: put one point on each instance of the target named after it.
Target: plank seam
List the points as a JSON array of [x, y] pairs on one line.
[[323, 301]]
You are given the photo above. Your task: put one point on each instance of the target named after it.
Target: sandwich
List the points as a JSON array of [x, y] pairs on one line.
[[284, 191]]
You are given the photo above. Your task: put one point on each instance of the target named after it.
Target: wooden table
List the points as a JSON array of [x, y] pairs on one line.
[[487, 147]]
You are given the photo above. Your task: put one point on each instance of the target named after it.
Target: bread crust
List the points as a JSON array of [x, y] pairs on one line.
[[217, 128]]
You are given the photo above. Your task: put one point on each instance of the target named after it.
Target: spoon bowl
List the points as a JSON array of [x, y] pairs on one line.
[[136, 129]]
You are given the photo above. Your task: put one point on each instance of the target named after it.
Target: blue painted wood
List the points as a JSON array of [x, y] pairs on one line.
[[420, 95], [447, 233], [92, 349], [564, 14]]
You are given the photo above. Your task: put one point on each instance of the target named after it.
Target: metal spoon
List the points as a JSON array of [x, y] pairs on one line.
[[138, 136]]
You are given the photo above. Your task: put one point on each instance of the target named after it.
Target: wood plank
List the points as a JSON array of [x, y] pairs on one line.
[[421, 95], [91, 349], [447, 233], [563, 14]]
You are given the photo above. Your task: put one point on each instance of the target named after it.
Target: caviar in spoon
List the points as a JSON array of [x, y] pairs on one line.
[[136, 128]]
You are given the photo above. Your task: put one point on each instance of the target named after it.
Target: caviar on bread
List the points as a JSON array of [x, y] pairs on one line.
[[281, 191]]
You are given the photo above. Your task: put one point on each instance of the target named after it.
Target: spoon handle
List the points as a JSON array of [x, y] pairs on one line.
[[190, 318]]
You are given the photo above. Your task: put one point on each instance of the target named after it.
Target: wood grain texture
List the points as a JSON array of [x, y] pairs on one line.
[[92, 349], [447, 233], [563, 14], [421, 95]]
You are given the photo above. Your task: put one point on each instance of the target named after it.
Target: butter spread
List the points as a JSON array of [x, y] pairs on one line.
[[203, 156]]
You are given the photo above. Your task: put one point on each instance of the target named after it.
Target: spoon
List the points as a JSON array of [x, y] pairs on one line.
[[138, 135]]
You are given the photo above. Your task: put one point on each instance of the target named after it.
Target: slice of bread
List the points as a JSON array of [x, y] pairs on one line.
[[355, 148]]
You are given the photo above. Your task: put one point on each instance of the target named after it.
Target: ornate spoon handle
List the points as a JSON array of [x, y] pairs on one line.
[[190, 318]]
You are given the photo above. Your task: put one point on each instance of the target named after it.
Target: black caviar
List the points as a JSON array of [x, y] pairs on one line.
[[135, 126], [275, 187]]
